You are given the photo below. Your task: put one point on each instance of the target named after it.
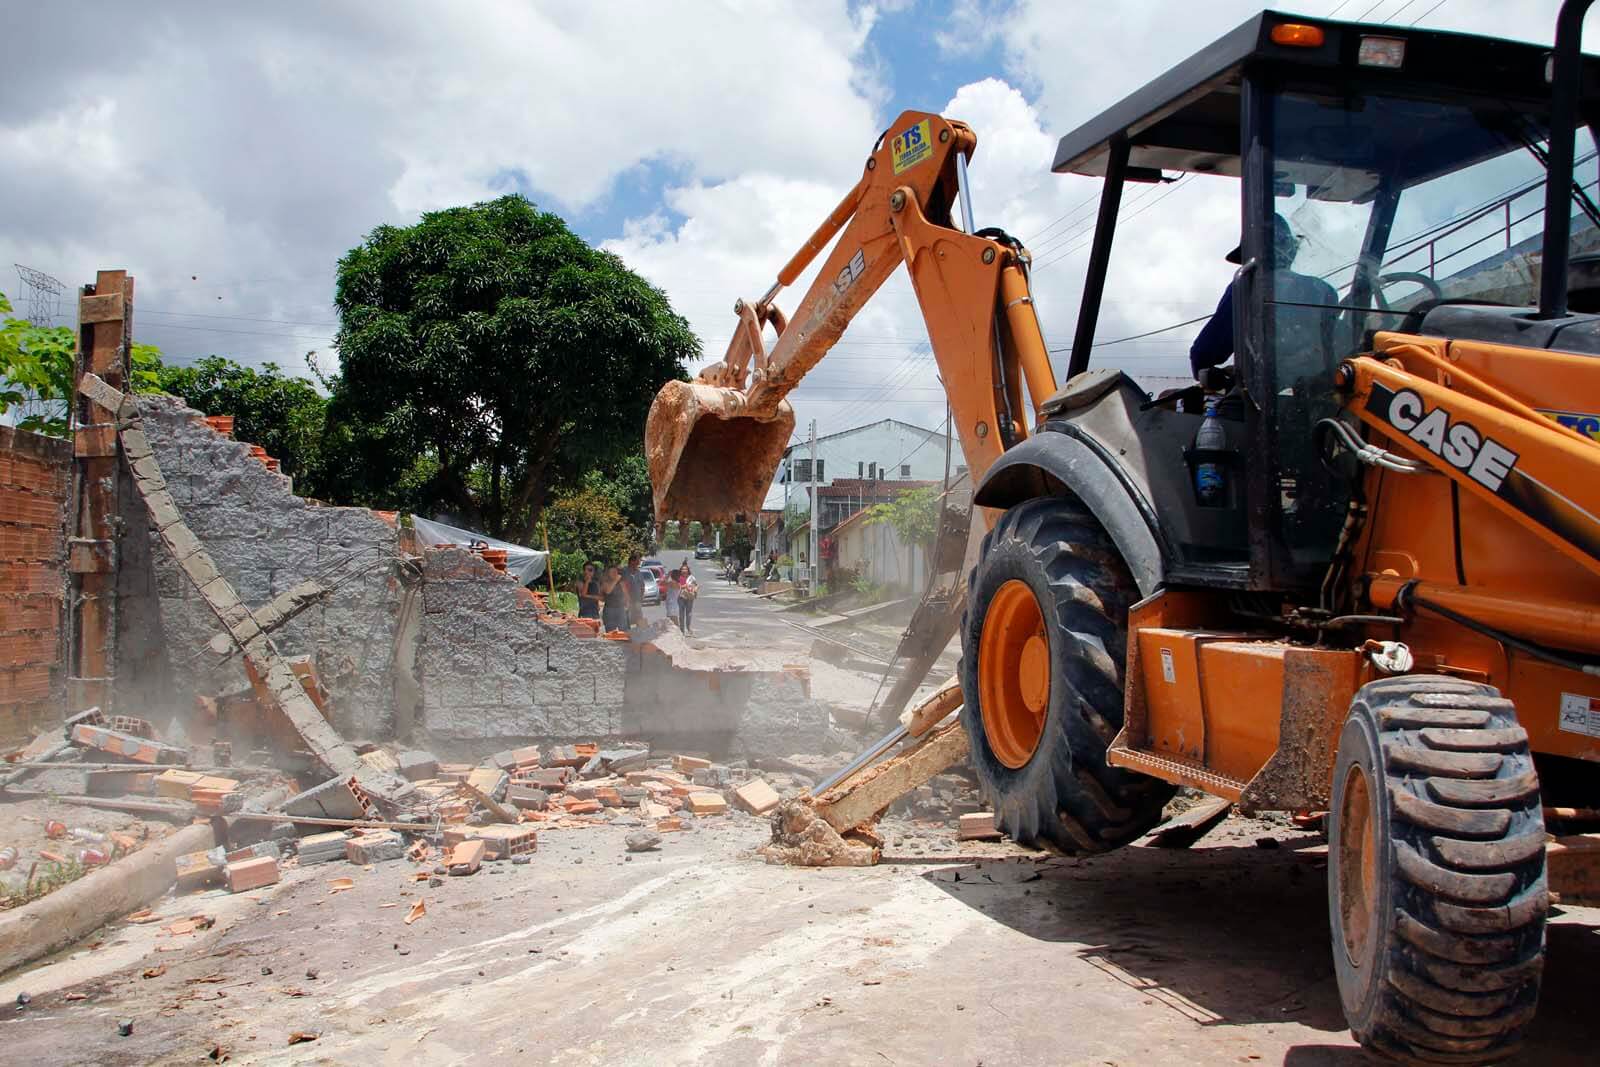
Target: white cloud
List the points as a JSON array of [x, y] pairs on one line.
[[228, 156]]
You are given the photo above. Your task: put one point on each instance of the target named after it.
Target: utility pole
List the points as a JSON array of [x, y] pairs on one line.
[[812, 557]]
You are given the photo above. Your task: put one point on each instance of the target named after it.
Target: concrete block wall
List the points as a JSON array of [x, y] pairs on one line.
[[264, 540], [490, 670], [34, 472]]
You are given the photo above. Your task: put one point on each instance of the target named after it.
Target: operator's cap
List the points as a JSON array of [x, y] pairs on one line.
[[1282, 235]]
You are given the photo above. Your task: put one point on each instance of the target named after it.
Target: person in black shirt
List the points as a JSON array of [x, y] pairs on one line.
[[614, 598], [588, 590]]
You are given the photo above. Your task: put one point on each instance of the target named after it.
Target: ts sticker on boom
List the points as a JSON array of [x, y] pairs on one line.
[[912, 146], [1457, 442], [1588, 425]]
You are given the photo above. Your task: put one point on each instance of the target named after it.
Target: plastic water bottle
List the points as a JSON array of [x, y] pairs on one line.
[[8, 858], [1210, 480]]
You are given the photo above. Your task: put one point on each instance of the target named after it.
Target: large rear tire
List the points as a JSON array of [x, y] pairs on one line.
[[1043, 643], [1436, 880]]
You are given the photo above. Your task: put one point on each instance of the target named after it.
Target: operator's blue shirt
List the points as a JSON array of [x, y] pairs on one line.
[[1213, 345]]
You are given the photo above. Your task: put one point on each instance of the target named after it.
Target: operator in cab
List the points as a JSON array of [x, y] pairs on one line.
[[1293, 292]]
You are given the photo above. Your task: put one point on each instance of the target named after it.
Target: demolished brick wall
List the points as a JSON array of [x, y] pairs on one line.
[[488, 668], [264, 540], [34, 472], [436, 649]]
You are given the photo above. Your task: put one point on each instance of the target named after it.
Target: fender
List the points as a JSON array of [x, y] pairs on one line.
[[1061, 456]]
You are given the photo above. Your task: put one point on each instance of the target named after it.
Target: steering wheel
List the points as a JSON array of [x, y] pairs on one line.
[[1385, 280]]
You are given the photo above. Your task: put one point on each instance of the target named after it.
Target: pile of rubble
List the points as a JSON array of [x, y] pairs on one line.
[[463, 815], [451, 817]]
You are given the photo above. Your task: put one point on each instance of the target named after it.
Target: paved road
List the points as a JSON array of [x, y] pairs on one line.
[[702, 954], [730, 617]]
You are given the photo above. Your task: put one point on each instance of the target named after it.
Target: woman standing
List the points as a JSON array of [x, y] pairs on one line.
[[614, 600], [688, 589], [670, 597], [588, 590]]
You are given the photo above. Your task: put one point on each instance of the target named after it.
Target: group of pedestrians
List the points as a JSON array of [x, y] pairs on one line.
[[615, 595]]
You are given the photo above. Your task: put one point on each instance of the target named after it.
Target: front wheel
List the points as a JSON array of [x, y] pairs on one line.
[[1436, 881], [1043, 644]]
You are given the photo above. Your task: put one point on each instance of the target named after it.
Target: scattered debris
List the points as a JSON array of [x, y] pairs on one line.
[[466, 857], [643, 841], [418, 910], [1185, 829], [802, 838], [245, 875], [302, 1036], [978, 826]]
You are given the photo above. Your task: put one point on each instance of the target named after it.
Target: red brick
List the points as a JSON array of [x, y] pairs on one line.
[[20, 650], [608, 796], [465, 857], [38, 612], [23, 577], [756, 797], [706, 803], [582, 807], [978, 826], [22, 684], [30, 543], [689, 764], [251, 874], [23, 508]]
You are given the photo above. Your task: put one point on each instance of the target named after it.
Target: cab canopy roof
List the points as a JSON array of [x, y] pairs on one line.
[[1189, 118]]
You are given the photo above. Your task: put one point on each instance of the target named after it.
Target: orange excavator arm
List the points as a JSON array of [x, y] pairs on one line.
[[714, 444]]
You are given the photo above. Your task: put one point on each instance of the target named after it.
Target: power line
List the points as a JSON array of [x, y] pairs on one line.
[[1428, 12], [1136, 336], [1397, 12]]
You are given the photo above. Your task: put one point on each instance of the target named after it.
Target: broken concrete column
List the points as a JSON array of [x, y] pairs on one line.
[[73, 911]]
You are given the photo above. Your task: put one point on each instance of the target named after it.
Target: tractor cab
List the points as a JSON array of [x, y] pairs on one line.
[[1409, 169]]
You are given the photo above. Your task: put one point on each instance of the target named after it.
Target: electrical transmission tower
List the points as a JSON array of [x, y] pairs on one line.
[[44, 295]]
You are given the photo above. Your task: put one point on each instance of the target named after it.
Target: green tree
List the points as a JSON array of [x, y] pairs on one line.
[[626, 483], [496, 340], [587, 523], [283, 414], [37, 368], [914, 514]]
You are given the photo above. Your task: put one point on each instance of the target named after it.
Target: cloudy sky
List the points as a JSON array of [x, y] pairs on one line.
[[227, 155]]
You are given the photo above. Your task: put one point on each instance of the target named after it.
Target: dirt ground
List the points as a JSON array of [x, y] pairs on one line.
[[24, 830], [702, 953]]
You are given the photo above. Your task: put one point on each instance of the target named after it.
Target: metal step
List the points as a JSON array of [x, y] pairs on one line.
[[1172, 769]]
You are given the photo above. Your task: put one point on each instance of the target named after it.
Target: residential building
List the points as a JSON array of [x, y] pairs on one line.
[[886, 450]]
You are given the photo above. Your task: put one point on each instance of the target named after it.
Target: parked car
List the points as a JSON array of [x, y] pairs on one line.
[[703, 551], [652, 586], [655, 567]]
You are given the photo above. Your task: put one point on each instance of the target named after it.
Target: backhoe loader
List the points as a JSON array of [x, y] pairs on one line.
[[1374, 592]]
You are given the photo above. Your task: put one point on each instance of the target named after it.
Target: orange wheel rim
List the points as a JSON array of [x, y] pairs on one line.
[[1014, 674], [1358, 865]]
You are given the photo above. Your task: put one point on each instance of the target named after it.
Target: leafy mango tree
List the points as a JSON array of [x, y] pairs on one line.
[[495, 341]]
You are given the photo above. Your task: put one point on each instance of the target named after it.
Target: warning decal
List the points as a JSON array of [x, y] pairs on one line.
[[912, 146], [1580, 714]]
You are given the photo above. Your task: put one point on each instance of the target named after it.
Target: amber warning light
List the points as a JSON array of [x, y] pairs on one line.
[[1297, 35]]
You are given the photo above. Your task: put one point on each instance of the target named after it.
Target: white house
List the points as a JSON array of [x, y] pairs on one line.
[[887, 450]]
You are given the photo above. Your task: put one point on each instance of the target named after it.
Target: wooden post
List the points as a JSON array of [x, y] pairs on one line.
[[105, 335], [549, 565]]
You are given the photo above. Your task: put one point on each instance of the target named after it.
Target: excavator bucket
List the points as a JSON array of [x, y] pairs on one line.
[[710, 459]]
